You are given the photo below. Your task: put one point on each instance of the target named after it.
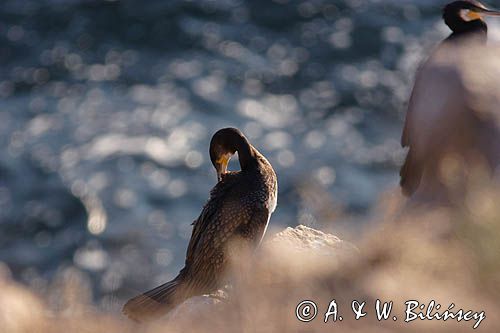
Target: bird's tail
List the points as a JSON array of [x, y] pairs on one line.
[[155, 302]]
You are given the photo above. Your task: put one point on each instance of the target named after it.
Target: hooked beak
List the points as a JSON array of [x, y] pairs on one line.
[[478, 13], [491, 12], [488, 12], [221, 165]]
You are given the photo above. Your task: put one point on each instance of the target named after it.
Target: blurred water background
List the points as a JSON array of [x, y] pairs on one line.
[[107, 109]]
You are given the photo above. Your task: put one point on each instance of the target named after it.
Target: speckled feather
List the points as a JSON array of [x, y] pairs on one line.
[[239, 206]]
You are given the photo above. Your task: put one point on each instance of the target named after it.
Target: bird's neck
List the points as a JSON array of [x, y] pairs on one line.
[[476, 31], [247, 155]]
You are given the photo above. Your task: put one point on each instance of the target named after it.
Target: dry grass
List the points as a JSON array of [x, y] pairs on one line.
[[447, 255]]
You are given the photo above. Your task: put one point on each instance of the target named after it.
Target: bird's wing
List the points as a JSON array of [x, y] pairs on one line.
[[255, 227], [202, 250], [210, 212], [225, 216], [436, 99]]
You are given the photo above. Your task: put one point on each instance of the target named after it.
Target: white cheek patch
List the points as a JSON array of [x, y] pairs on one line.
[[465, 15], [470, 15]]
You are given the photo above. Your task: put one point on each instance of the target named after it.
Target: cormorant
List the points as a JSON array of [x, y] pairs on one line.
[[465, 19], [238, 210], [443, 119]]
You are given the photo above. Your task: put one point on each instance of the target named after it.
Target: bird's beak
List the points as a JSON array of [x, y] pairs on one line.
[[491, 12], [222, 163], [488, 12]]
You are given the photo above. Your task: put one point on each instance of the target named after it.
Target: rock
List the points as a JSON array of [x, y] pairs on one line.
[[197, 307], [302, 238], [284, 262]]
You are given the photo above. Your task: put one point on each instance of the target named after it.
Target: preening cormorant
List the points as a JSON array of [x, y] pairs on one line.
[[238, 210]]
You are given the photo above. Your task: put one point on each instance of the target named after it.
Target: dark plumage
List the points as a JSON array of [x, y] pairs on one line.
[[238, 210], [460, 17], [440, 119]]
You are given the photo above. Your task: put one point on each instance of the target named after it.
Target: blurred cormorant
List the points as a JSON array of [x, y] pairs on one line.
[[442, 118]]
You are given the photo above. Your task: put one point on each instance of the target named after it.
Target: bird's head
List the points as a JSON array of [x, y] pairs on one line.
[[223, 146], [459, 15]]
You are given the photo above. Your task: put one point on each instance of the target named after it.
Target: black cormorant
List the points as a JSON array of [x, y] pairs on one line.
[[238, 209], [442, 118], [465, 19]]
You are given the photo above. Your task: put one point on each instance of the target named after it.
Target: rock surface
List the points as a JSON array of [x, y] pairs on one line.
[[303, 238], [282, 253]]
